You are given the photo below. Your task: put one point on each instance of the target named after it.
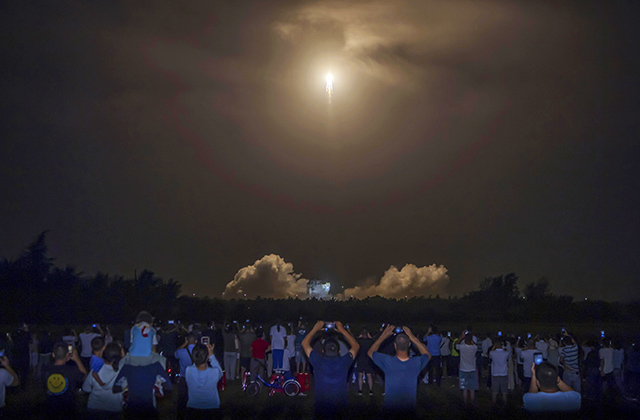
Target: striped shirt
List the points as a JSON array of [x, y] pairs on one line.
[[570, 356]]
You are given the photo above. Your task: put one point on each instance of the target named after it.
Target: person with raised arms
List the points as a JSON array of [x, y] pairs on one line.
[[330, 369], [400, 370]]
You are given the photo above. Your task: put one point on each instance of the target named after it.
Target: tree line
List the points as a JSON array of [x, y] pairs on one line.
[[36, 291]]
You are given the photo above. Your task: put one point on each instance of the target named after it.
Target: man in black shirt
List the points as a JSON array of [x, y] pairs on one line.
[[62, 381]]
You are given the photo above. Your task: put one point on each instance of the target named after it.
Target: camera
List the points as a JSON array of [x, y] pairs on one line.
[[537, 358], [204, 340], [329, 325]]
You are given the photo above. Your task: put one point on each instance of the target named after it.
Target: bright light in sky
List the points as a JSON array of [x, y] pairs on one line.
[[329, 79]]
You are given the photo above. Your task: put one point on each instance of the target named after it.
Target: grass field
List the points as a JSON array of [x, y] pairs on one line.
[[444, 402]]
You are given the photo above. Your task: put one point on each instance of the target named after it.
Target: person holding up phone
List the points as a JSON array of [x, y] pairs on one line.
[[202, 381], [90, 332], [570, 361], [184, 357], [526, 358], [401, 371], [63, 380], [548, 393], [330, 369]]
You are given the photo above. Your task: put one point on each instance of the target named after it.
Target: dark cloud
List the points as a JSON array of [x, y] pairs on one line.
[[489, 136]]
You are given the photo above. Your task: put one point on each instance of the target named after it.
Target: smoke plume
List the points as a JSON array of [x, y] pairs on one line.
[[270, 276], [409, 282]]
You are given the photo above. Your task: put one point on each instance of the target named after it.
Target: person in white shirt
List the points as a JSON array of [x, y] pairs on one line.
[[445, 352], [468, 374], [500, 356], [291, 345], [542, 345], [8, 376], [102, 400], [553, 354], [278, 335], [487, 344], [526, 358], [90, 332], [606, 363]]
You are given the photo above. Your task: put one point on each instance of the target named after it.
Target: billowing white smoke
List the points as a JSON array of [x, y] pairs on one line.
[[270, 276], [410, 281]]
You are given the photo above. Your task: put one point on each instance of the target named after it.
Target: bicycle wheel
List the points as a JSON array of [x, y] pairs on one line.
[[291, 388], [253, 389]]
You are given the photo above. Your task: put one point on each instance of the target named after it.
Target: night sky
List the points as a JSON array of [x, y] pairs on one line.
[[195, 138]]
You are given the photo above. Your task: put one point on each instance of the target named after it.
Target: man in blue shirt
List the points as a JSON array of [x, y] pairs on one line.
[[400, 371], [433, 341], [330, 369], [548, 392]]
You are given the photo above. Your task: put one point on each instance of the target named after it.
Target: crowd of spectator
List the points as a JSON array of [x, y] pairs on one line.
[[124, 373]]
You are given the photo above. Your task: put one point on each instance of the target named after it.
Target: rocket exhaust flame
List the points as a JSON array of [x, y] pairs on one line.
[[329, 86]]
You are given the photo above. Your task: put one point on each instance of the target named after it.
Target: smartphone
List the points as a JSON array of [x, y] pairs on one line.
[[528, 335], [449, 334], [329, 325], [346, 326], [564, 330], [94, 325], [602, 334], [235, 322], [2, 353], [499, 333], [170, 322], [537, 358], [204, 339], [70, 348], [246, 322], [398, 330]]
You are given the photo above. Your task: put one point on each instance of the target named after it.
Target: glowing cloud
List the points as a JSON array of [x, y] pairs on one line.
[[270, 276], [409, 282]]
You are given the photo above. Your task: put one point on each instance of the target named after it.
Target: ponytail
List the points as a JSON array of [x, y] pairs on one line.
[[112, 354]]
